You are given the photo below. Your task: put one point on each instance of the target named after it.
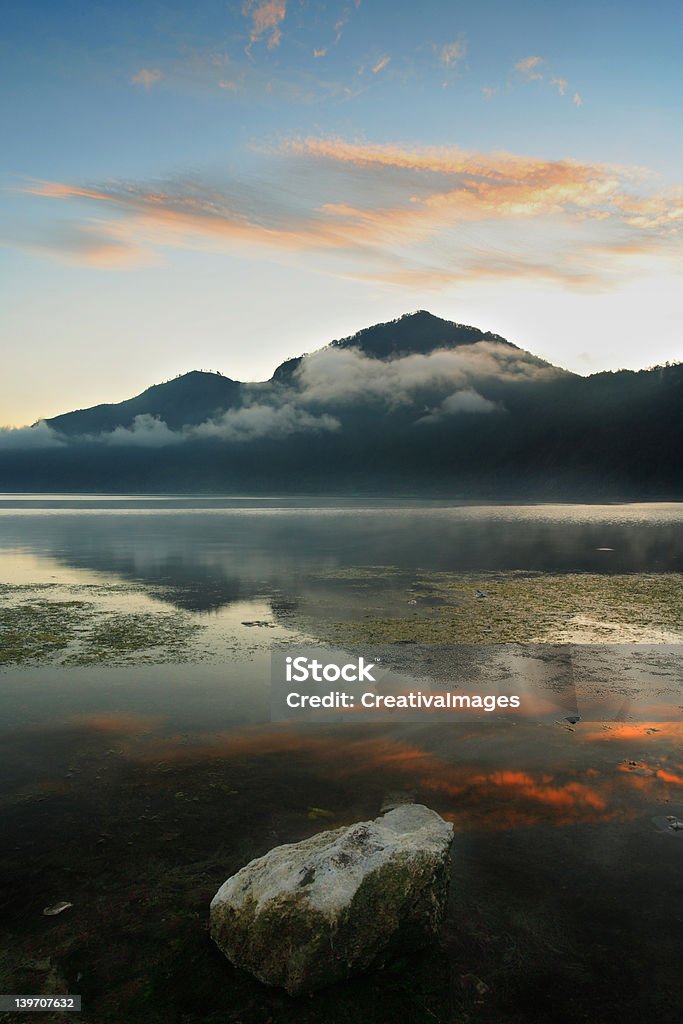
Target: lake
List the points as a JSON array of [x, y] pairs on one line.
[[140, 765]]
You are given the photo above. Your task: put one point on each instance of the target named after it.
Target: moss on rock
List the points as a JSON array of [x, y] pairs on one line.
[[312, 913]]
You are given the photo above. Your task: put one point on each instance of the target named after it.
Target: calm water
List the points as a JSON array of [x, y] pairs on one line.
[[133, 791]]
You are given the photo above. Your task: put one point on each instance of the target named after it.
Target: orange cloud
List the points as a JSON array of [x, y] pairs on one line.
[[381, 64], [528, 67], [178, 221], [617, 731], [447, 160], [109, 255], [454, 52], [147, 77], [511, 185], [106, 245], [266, 18], [643, 770]]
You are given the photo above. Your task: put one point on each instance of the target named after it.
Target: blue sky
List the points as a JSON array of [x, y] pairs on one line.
[[224, 185]]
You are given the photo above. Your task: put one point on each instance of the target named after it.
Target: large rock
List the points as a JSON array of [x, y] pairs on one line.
[[310, 913]]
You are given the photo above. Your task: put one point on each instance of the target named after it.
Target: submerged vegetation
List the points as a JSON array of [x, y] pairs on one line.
[[122, 624], [45, 624], [511, 607]]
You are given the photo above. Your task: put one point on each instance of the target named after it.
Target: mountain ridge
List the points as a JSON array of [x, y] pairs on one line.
[[414, 406], [173, 401], [198, 395]]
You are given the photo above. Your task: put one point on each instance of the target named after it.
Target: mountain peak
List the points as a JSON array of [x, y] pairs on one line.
[[415, 333]]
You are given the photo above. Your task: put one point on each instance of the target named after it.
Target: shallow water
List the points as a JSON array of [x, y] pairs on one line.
[[133, 786]]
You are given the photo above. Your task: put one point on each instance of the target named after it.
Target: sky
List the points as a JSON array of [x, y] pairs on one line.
[[224, 185]]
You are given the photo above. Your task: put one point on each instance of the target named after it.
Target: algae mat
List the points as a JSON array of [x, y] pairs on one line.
[[90, 625], [514, 607]]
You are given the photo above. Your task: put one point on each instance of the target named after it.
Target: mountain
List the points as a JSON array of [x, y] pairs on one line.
[[415, 334], [420, 405], [196, 397], [191, 398]]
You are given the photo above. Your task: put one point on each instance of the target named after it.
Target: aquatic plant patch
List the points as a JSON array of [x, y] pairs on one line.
[[68, 631]]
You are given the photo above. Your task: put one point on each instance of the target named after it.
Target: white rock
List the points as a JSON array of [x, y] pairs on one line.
[[310, 913]]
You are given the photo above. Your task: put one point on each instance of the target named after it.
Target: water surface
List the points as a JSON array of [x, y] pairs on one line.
[[132, 786]]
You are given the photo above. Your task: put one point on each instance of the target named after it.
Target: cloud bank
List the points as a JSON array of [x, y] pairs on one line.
[[23, 438], [335, 376], [251, 423]]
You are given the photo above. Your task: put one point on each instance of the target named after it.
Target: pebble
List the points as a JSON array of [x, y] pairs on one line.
[[56, 908]]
